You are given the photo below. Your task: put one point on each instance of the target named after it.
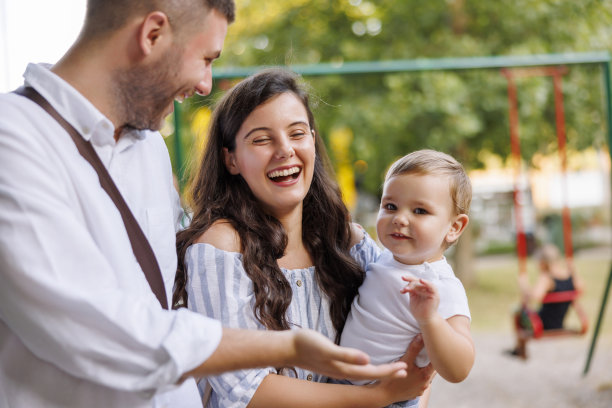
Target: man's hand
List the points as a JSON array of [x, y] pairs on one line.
[[308, 349], [317, 353]]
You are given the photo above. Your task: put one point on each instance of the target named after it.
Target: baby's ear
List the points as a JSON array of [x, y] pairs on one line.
[[457, 227]]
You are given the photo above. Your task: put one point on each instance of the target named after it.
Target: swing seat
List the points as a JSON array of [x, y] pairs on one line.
[[529, 325]]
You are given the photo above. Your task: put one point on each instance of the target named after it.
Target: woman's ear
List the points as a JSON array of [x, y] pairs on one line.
[[457, 227], [230, 162]]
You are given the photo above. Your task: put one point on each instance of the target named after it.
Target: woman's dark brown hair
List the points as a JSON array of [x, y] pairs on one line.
[[218, 195]]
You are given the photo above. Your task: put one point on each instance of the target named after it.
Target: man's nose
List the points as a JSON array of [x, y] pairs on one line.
[[204, 87]]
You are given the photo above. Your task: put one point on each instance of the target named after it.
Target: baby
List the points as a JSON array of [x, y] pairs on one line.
[[423, 211]]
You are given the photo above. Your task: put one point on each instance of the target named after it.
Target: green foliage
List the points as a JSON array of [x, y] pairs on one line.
[[459, 112]]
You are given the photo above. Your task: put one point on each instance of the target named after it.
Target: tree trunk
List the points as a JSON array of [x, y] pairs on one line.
[[463, 258]]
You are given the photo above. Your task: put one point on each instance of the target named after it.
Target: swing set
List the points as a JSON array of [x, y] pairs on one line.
[[570, 297], [552, 65]]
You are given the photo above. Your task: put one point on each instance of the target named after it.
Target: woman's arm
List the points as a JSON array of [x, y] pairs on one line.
[[280, 391]]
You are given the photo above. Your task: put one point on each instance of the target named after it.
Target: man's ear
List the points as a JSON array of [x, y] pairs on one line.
[[457, 227], [230, 162], [154, 28]]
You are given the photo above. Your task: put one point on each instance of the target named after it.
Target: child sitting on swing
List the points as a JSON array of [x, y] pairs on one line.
[[555, 275]]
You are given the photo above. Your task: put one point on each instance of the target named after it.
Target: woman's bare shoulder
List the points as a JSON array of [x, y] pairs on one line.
[[222, 235]]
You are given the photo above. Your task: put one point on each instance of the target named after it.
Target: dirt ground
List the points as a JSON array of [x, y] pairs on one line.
[[552, 376]]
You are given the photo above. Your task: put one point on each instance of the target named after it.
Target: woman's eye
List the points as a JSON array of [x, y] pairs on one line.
[[298, 135], [261, 140]]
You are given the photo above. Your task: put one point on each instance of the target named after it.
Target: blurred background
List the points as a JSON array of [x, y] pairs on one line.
[[369, 119]]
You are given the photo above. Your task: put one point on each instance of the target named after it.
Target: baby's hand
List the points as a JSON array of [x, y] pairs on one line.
[[424, 297]]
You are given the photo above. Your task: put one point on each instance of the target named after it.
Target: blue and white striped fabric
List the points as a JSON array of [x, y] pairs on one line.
[[220, 288]]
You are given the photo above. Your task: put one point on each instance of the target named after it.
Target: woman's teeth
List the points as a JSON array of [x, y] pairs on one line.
[[284, 173]]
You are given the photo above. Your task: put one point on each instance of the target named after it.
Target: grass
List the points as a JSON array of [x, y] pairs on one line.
[[494, 297]]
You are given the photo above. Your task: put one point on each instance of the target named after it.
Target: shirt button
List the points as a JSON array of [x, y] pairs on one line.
[[309, 377], [299, 282]]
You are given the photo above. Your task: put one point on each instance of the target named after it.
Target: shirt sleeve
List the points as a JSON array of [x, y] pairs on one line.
[[220, 288], [60, 295], [365, 251], [455, 301]]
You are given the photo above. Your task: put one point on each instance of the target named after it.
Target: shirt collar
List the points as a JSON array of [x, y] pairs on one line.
[[74, 107], [427, 270]]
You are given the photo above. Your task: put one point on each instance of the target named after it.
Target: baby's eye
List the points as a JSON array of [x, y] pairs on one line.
[[389, 207], [420, 211]]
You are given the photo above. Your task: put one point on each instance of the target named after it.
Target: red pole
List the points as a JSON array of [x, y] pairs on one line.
[[561, 138], [521, 240]]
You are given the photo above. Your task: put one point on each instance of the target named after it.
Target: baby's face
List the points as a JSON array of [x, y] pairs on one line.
[[415, 217]]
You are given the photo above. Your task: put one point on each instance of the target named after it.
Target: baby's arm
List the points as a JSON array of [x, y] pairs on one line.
[[448, 341]]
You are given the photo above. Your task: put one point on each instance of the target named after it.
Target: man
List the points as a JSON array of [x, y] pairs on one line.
[[79, 324]]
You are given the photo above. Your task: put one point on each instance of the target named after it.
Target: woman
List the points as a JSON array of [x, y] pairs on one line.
[[271, 245]]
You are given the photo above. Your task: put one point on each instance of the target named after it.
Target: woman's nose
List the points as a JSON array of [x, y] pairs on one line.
[[284, 150]]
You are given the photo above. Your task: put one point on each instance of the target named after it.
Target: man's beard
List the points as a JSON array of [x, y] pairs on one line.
[[143, 93]]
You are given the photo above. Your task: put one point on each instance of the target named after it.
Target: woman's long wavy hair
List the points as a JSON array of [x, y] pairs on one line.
[[218, 195]]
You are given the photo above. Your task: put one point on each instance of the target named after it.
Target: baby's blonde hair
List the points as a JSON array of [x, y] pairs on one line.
[[432, 162]]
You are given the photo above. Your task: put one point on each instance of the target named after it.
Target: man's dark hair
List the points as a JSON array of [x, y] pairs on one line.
[[105, 16]]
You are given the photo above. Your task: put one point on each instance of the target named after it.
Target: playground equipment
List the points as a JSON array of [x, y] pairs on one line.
[[572, 297]]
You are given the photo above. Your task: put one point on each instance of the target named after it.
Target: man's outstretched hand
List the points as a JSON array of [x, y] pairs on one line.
[[317, 353], [308, 349]]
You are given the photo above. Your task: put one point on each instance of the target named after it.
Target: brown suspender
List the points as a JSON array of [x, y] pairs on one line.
[[140, 245]]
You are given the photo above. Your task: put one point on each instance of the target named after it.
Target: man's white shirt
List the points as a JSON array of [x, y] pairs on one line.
[[79, 325]]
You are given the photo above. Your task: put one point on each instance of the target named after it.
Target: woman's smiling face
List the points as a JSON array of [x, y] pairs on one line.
[[275, 153]]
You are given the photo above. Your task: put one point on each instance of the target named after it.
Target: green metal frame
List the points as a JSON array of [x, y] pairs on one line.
[[606, 293], [178, 149], [439, 64], [445, 64]]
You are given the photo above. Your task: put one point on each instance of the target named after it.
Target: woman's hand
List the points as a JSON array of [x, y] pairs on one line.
[[413, 384]]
